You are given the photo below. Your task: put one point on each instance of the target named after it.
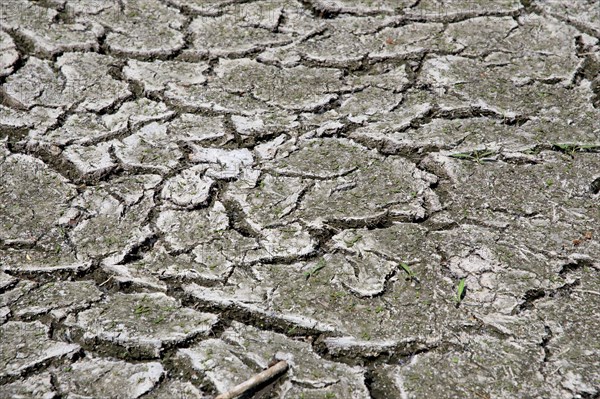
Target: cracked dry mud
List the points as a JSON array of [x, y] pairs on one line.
[[191, 189]]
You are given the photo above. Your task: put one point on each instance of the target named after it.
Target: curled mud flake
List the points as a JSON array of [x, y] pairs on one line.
[[32, 198], [25, 346], [150, 148], [56, 299], [138, 325], [9, 55], [36, 386], [97, 377]]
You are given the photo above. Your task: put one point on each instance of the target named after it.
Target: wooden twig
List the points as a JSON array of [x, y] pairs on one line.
[[255, 381], [107, 280], [587, 292]]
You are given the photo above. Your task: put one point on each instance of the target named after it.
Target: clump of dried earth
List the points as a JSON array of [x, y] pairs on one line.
[[192, 189]]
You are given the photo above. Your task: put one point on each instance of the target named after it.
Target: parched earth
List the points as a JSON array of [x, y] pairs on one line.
[[400, 198]]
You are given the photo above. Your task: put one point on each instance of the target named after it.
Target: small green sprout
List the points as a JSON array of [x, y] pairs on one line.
[[337, 294], [408, 270], [141, 309], [291, 330], [462, 155], [478, 156], [321, 264], [588, 147], [568, 149], [571, 149], [350, 243], [460, 292]]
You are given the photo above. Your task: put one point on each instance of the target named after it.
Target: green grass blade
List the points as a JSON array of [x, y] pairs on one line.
[[461, 155], [408, 270], [460, 291], [321, 264]]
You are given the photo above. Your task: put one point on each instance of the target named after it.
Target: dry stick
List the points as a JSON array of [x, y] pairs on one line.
[[107, 280], [587, 292], [255, 381]]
